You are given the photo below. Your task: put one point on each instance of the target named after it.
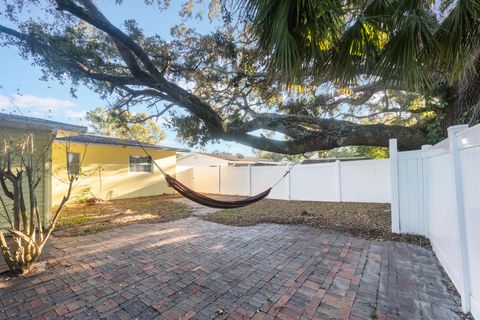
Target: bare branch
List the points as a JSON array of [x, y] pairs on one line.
[[44, 49]]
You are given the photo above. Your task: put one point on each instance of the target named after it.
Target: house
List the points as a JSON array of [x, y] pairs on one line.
[[215, 160], [111, 168], [15, 129]]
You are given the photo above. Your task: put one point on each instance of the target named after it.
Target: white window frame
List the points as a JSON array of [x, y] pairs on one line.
[[138, 164]]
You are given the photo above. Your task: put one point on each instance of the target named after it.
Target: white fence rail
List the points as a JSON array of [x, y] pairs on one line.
[[355, 181], [435, 193]]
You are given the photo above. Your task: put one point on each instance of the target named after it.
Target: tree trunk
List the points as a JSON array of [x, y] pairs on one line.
[[463, 99]]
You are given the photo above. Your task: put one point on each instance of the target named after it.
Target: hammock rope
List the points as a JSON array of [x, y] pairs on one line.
[[202, 199]]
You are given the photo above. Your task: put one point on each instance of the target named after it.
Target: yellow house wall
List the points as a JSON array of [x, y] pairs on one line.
[[105, 171]]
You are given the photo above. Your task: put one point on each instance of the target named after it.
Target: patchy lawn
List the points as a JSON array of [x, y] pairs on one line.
[[79, 219], [368, 220]]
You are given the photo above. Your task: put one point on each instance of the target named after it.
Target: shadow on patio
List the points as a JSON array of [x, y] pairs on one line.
[[196, 269]]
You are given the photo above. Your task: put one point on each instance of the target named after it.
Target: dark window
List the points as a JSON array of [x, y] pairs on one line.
[[140, 164], [73, 163]]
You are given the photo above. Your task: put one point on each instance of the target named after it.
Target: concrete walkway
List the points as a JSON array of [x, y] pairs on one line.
[[195, 208], [201, 270]]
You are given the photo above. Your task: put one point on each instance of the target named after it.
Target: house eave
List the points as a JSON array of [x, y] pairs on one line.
[[28, 123], [124, 146]]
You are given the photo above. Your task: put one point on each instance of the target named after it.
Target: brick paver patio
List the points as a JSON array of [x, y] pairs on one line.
[[201, 270]]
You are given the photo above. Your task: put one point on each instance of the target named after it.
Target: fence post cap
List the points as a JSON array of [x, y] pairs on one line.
[[426, 146], [392, 146], [457, 128]]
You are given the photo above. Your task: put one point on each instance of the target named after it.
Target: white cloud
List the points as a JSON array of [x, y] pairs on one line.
[[35, 102], [76, 114]]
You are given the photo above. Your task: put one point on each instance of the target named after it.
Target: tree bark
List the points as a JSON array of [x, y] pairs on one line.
[[463, 99]]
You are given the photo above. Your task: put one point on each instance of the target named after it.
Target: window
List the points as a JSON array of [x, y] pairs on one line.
[[73, 163], [140, 164]]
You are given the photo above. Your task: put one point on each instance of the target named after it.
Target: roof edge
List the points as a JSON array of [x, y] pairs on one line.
[[22, 122], [122, 145]]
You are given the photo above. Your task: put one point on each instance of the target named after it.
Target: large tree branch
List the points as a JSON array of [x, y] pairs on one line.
[[272, 121], [370, 135], [311, 134], [46, 50], [359, 95], [90, 13], [179, 96]]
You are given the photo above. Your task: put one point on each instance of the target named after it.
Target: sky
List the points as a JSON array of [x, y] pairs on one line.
[[22, 91]]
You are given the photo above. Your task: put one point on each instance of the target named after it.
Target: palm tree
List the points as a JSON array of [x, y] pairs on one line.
[[409, 44]]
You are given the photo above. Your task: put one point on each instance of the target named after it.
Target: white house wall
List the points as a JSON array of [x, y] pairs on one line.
[[200, 160]]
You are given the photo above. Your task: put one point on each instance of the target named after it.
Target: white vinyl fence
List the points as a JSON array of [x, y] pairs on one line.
[[355, 181], [435, 192]]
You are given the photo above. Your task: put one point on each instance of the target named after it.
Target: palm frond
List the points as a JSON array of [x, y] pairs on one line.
[[295, 32], [401, 57], [458, 36], [342, 40], [358, 50]]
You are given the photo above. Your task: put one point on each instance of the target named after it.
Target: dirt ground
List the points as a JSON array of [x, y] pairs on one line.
[[368, 220], [79, 219]]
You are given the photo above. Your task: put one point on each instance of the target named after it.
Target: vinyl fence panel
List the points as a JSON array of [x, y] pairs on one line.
[[206, 179], [365, 181], [184, 174], [469, 151], [443, 231], [438, 197], [315, 182], [359, 181], [410, 173], [264, 177], [235, 181]]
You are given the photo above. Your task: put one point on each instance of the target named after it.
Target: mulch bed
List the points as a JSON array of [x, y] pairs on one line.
[[367, 220]]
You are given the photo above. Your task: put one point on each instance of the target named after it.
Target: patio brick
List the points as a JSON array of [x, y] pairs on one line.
[[192, 269]]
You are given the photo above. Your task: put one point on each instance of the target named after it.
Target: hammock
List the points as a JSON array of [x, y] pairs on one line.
[[209, 202], [200, 198]]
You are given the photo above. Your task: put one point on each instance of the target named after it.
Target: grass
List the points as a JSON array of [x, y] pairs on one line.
[[80, 219], [367, 220]]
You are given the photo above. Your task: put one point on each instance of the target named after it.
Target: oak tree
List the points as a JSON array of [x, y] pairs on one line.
[[220, 86], [108, 122]]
